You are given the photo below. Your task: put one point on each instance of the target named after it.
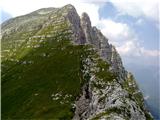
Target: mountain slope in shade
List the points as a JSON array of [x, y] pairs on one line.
[[55, 65]]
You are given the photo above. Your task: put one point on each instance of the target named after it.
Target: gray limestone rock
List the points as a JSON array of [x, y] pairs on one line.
[[112, 101]]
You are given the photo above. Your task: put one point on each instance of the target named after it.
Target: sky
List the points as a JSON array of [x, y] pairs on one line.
[[131, 25]]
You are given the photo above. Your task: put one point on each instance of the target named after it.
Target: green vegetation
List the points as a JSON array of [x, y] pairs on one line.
[[27, 88], [104, 72], [131, 86], [31, 76]]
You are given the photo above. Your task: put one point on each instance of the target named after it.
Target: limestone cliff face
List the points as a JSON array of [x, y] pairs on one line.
[[103, 96], [111, 100], [106, 50], [86, 34]]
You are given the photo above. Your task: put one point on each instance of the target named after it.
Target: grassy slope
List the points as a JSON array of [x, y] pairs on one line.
[[35, 74], [60, 72]]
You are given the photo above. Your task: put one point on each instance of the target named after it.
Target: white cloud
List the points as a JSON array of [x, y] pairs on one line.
[[139, 21], [125, 39], [20, 7], [90, 9], [152, 53], [130, 48], [116, 30], [138, 8], [120, 35]]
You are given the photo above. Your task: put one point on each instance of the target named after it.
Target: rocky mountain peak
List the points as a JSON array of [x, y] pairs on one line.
[[77, 75], [69, 7], [85, 19]]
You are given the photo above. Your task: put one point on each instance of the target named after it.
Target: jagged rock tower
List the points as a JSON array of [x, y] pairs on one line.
[[55, 65]]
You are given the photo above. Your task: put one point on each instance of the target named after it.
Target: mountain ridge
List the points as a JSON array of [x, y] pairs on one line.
[[108, 91]]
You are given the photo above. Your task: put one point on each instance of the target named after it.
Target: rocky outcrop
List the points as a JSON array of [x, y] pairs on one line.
[[110, 100], [107, 51], [70, 14]]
